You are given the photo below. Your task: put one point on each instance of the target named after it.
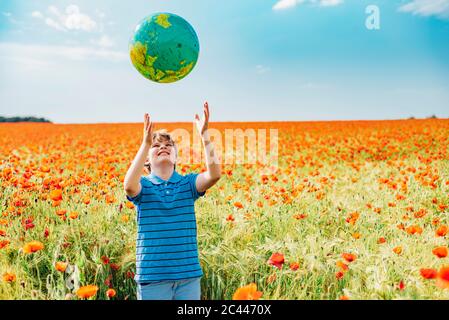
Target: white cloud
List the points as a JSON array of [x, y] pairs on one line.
[[37, 14], [52, 23], [330, 3], [50, 53], [105, 41], [75, 20], [27, 63], [54, 10], [260, 69], [71, 19], [286, 4], [10, 18], [427, 8]]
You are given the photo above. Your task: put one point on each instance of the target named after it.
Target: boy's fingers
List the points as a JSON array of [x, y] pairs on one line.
[[146, 120]]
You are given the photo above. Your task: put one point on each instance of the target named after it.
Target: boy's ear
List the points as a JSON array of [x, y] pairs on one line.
[[147, 160], [146, 166]]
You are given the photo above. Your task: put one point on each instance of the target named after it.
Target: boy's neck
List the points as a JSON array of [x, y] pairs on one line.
[[164, 172]]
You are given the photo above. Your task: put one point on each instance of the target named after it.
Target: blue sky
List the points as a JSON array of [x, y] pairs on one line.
[[260, 60]]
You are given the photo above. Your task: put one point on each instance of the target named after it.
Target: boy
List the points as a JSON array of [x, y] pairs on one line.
[[167, 264]]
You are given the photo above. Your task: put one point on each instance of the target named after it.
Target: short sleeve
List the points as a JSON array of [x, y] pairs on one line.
[[192, 179], [136, 200]]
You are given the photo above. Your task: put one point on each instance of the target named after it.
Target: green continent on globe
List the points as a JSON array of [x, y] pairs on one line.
[[164, 48], [162, 20], [145, 65]]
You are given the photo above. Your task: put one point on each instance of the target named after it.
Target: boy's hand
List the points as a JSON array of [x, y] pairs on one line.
[[207, 179], [148, 130], [202, 125]]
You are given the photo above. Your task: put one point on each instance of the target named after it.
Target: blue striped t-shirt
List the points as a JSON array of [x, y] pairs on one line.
[[166, 247]]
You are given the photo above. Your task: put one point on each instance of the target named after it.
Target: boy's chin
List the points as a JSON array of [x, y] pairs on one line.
[[165, 162]]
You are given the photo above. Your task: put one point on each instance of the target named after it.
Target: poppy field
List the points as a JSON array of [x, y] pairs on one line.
[[355, 210]]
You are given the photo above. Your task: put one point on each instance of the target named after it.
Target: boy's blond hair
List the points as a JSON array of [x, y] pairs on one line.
[[161, 135]]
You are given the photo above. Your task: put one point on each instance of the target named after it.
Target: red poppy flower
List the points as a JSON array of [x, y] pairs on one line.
[[428, 273], [443, 277], [277, 260], [349, 257], [440, 252]]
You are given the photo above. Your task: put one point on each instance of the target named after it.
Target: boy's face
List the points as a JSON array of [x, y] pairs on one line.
[[162, 152]]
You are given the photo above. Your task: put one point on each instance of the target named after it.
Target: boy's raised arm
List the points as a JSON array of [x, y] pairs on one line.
[[131, 182], [210, 177]]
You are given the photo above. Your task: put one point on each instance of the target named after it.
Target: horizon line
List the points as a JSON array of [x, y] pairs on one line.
[[220, 122]]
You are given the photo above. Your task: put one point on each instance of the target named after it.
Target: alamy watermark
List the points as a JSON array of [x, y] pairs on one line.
[[372, 22], [230, 146]]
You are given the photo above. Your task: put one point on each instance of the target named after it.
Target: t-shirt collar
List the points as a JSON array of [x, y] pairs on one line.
[[176, 177]]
